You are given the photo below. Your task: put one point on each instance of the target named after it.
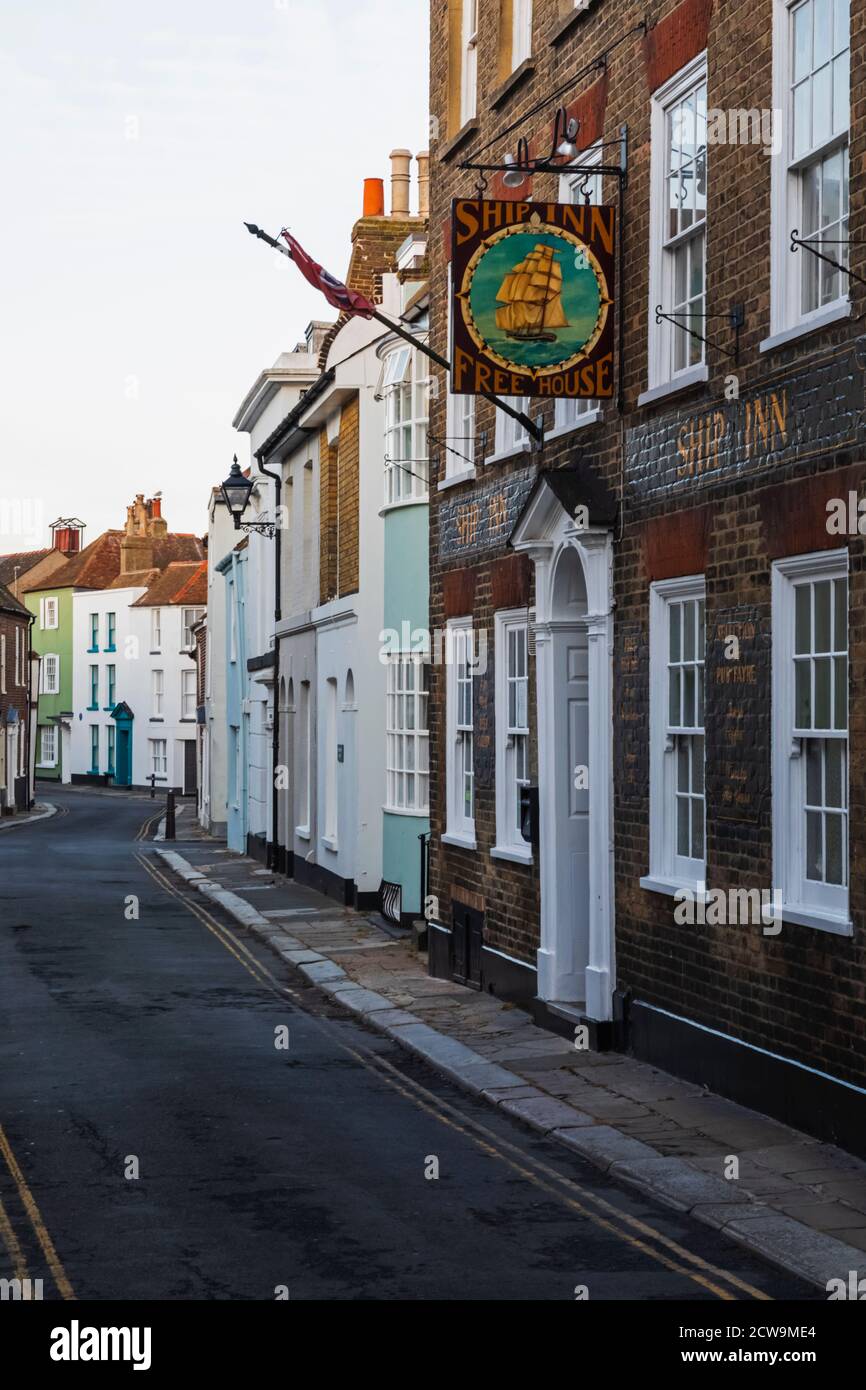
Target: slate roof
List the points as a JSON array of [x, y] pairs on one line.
[[10, 604], [22, 562]]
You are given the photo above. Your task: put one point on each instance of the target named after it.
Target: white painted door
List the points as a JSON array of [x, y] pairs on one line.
[[571, 696]]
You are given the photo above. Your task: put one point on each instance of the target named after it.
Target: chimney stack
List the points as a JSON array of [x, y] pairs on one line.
[[424, 183], [144, 523], [400, 162], [374, 198]]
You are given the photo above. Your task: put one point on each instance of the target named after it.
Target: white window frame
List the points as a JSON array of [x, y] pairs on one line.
[[330, 810], [189, 618], [661, 343], [156, 629], [19, 666], [51, 731], [576, 413], [54, 687], [94, 633], [157, 687], [809, 903], [48, 614], [303, 830], [460, 421], [111, 686], [158, 760], [406, 736], [110, 632], [510, 844], [95, 747], [469, 61], [93, 678], [521, 32], [668, 871], [187, 695], [787, 316], [460, 827], [510, 437], [406, 474]]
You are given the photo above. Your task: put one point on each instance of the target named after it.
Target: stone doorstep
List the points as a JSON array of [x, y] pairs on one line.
[[815, 1255]]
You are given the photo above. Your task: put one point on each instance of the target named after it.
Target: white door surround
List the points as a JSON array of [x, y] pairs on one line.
[[574, 672]]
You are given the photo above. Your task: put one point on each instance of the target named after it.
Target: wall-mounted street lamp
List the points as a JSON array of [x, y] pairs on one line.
[[236, 491]]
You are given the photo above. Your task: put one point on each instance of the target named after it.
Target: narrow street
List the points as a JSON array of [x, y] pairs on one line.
[[149, 1044]]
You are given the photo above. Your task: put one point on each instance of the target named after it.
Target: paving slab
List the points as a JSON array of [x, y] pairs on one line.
[[545, 1113], [797, 1202]]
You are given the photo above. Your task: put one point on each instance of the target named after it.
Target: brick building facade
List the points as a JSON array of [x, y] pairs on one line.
[[16, 702], [720, 574]]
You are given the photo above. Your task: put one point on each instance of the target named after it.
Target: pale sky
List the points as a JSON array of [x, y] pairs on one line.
[[136, 309]]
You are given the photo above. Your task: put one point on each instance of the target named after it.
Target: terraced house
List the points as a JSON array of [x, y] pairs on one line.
[[30, 575], [670, 585]]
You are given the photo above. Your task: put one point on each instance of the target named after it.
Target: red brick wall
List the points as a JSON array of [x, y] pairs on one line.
[[801, 993]]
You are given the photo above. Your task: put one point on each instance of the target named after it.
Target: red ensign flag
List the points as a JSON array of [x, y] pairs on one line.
[[336, 293]]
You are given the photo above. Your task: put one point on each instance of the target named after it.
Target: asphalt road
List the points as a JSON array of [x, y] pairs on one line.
[[148, 1047]]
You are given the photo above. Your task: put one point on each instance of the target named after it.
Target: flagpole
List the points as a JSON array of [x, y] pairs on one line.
[[534, 430]]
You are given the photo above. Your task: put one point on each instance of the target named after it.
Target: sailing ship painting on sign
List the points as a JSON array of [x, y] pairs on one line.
[[533, 299], [531, 295]]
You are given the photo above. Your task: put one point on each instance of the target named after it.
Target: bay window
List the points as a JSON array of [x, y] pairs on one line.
[[407, 766], [405, 392]]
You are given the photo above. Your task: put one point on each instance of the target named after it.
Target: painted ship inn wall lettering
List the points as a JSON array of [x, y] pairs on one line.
[[532, 311], [787, 419]]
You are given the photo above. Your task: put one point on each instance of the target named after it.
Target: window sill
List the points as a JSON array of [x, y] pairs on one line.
[[92, 709], [833, 313], [590, 418], [463, 475], [403, 811], [668, 886], [330, 843], [695, 376], [507, 454], [405, 502], [512, 82], [460, 841], [93, 651], [565, 26], [111, 649], [303, 832], [471, 127], [512, 853], [820, 921]]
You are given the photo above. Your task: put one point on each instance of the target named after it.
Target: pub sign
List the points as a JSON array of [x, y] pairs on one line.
[[532, 289]]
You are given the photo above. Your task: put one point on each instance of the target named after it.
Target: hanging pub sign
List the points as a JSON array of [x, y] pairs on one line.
[[532, 287]]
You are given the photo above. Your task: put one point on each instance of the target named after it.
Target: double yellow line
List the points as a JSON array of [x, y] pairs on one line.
[[638, 1234], [10, 1240]]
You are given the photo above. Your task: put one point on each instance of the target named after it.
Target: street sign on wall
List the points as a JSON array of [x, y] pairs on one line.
[[532, 292]]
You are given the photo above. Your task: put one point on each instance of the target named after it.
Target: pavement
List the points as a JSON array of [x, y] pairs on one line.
[[793, 1200], [185, 1115]]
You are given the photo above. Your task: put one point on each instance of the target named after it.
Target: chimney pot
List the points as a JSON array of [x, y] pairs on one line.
[[374, 198], [424, 183], [400, 162]]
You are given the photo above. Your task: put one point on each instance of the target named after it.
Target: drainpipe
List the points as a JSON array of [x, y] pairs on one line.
[[278, 553]]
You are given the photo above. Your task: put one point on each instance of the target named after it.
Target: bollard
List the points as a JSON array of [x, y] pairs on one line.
[[152, 785], [169, 817]]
